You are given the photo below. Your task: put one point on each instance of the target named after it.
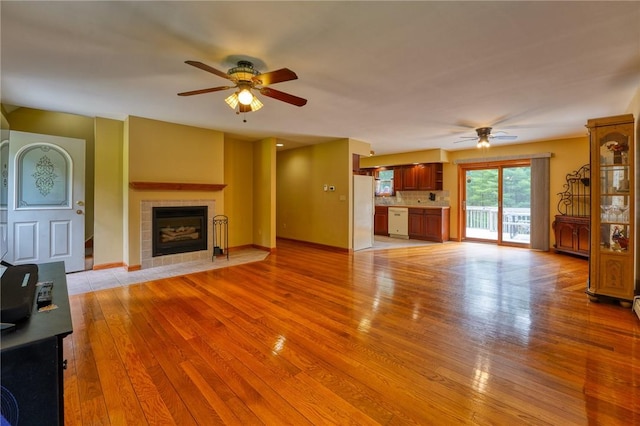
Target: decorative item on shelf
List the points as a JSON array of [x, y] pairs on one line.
[[620, 241], [620, 151]]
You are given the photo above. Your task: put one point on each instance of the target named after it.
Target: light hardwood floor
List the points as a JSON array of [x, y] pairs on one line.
[[459, 333]]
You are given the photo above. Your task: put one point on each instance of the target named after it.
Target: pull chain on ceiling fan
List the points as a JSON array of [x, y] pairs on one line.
[[484, 135], [245, 79]]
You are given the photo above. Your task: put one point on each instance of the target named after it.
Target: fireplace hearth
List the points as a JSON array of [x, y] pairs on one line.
[[180, 229]]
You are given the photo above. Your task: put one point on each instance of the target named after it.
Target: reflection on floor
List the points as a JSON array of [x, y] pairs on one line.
[[381, 242], [86, 281]]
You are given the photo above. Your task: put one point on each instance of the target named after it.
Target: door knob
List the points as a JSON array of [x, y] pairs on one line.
[[79, 211], [80, 203]]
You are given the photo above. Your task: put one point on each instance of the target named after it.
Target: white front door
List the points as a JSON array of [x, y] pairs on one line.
[[46, 200]]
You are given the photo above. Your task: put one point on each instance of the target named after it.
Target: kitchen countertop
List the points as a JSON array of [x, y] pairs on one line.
[[413, 206]]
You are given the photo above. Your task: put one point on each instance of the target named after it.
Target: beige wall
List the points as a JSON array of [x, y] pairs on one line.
[[67, 125], [238, 195], [305, 211], [165, 152]]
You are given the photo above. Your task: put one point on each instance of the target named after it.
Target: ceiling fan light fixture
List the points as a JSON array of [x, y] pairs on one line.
[[483, 141], [245, 96], [232, 100], [255, 104]]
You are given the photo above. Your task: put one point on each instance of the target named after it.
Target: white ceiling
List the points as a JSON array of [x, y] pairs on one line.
[[403, 76]]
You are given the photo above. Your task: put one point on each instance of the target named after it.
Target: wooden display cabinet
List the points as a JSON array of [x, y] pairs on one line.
[[572, 235], [612, 269], [571, 227]]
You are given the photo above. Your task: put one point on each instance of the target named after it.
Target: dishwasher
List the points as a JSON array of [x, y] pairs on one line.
[[399, 222]]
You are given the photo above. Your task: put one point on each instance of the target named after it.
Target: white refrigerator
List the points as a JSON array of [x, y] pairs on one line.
[[363, 211]]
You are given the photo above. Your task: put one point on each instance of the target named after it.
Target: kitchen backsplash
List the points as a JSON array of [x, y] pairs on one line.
[[415, 198]]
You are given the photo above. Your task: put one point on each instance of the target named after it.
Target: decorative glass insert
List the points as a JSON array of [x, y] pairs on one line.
[[43, 177]]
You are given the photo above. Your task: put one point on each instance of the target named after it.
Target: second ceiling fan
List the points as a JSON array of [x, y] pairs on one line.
[[484, 135], [246, 78]]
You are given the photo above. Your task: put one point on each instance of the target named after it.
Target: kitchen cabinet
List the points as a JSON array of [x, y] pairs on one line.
[[612, 261], [431, 224], [381, 221], [416, 223], [410, 177], [430, 177], [418, 177], [398, 179], [572, 234]]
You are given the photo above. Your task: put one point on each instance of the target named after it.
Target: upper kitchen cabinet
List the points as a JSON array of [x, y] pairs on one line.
[[430, 176], [410, 177], [419, 177], [612, 269]]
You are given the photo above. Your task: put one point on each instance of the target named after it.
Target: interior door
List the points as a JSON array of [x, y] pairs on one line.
[[46, 200], [363, 212]]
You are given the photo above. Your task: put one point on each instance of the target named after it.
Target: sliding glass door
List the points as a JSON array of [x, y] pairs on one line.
[[481, 203], [497, 202]]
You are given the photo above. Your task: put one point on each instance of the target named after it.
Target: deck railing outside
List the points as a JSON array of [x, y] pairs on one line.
[[482, 222]]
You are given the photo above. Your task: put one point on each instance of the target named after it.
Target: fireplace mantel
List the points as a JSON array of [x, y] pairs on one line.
[[176, 186]]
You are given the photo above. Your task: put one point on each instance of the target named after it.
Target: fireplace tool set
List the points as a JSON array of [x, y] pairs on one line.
[[220, 236]]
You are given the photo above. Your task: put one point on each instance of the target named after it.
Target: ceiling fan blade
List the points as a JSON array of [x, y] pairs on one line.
[[504, 137], [273, 77], [467, 138], [207, 68], [284, 97], [201, 91]]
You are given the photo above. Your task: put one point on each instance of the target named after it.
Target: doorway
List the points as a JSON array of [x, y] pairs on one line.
[[496, 202], [45, 200]]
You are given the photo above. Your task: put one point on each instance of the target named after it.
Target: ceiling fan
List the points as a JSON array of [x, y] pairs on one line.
[[484, 134], [246, 78]]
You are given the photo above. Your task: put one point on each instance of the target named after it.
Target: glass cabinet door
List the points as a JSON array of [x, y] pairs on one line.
[[614, 192]]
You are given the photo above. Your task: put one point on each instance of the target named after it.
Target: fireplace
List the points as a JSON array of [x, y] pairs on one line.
[[179, 229]]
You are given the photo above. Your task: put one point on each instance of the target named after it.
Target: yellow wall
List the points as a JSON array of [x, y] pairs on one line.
[[4, 124], [426, 156], [67, 125], [125, 191], [567, 156], [238, 195], [305, 211], [166, 152], [108, 224], [264, 193]]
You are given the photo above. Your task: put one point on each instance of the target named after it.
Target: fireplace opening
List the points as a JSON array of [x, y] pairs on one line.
[[179, 229]]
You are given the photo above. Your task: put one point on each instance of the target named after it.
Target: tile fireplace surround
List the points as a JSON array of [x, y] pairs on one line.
[[146, 218]]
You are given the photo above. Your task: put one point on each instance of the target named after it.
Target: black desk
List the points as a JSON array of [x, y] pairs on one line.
[[32, 358]]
